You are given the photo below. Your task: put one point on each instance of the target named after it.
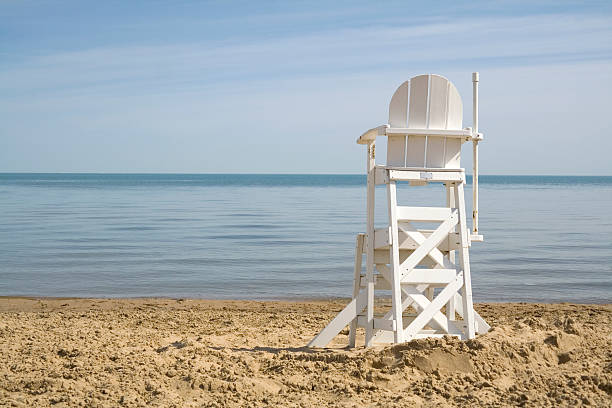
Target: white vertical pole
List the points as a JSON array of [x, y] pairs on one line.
[[396, 288], [464, 254], [370, 166], [475, 80], [450, 203], [356, 285]]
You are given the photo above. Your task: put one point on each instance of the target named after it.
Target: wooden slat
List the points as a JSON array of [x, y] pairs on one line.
[[394, 255], [438, 102], [381, 240], [417, 118], [430, 243], [464, 255], [464, 134], [435, 255], [455, 108], [339, 322], [379, 282], [396, 151], [381, 256], [406, 302], [433, 309], [398, 110], [482, 326], [423, 213], [359, 244], [371, 200], [450, 202], [417, 112], [454, 121], [426, 175], [398, 107], [420, 278], [369, 136], [438, 108], [379, 324], [420, 302], [383, 174], [429, 276]]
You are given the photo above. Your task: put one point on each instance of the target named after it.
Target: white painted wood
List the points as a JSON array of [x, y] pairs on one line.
[[433, 308], [434, 280], [420, 302], [398, 111], [406, 302], [425, 136], [425, 175], [450, 203], [429, 244], [405, 213], [396, 151], [463, 134], [396, 291], [417, 118], [437, 119], [476, 238], [398, 107], [429, 292], [339, 322], [381, 256], [370, 134], [381, 239], [379, 324], [475, 80], [356, 283], [371, 166], [383, 174], [482, 326], [452, 154], [464, 254], [435, 254]]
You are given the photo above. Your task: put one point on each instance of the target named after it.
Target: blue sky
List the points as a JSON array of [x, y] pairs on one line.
[[286, 87]]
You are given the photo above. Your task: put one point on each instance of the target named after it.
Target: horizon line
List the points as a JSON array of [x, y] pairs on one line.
[[282, 174]]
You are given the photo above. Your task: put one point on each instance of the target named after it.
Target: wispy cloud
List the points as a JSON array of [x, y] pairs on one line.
[[273, 102], [521, 41]]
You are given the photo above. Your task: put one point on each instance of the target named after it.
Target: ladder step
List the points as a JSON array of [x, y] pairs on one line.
[[423, 213], [415, 277], [418, 276], [381, 240]]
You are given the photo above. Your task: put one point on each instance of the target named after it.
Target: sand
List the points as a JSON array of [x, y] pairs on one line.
[[195, 353]]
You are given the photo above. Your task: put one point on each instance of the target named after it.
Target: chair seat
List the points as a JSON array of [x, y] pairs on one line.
[[418, 175], [425, 169]]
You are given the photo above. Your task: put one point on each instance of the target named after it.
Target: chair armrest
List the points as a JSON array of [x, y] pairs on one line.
[[466, 134], [371, 134]]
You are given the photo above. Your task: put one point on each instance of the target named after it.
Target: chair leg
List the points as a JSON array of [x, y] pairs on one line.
[[369, 329], [356, 284], [396, 289], [468, 306], [450, 202]]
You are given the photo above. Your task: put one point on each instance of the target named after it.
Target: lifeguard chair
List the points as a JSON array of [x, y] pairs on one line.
[[424, 269]]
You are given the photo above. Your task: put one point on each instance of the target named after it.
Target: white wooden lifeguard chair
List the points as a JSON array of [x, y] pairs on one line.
[[418, 266]]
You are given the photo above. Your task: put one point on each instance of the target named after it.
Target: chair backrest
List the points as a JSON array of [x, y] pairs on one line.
[[425, 102]]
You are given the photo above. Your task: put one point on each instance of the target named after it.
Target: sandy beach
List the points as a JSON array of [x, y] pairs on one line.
[[198, 353]]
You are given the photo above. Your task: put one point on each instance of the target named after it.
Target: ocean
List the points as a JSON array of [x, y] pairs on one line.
[[259, 236]]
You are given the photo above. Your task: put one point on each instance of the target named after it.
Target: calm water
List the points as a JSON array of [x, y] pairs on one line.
[[282, 236]]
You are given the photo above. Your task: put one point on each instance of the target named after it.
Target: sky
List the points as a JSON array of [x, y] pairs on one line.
[[287, 87]]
